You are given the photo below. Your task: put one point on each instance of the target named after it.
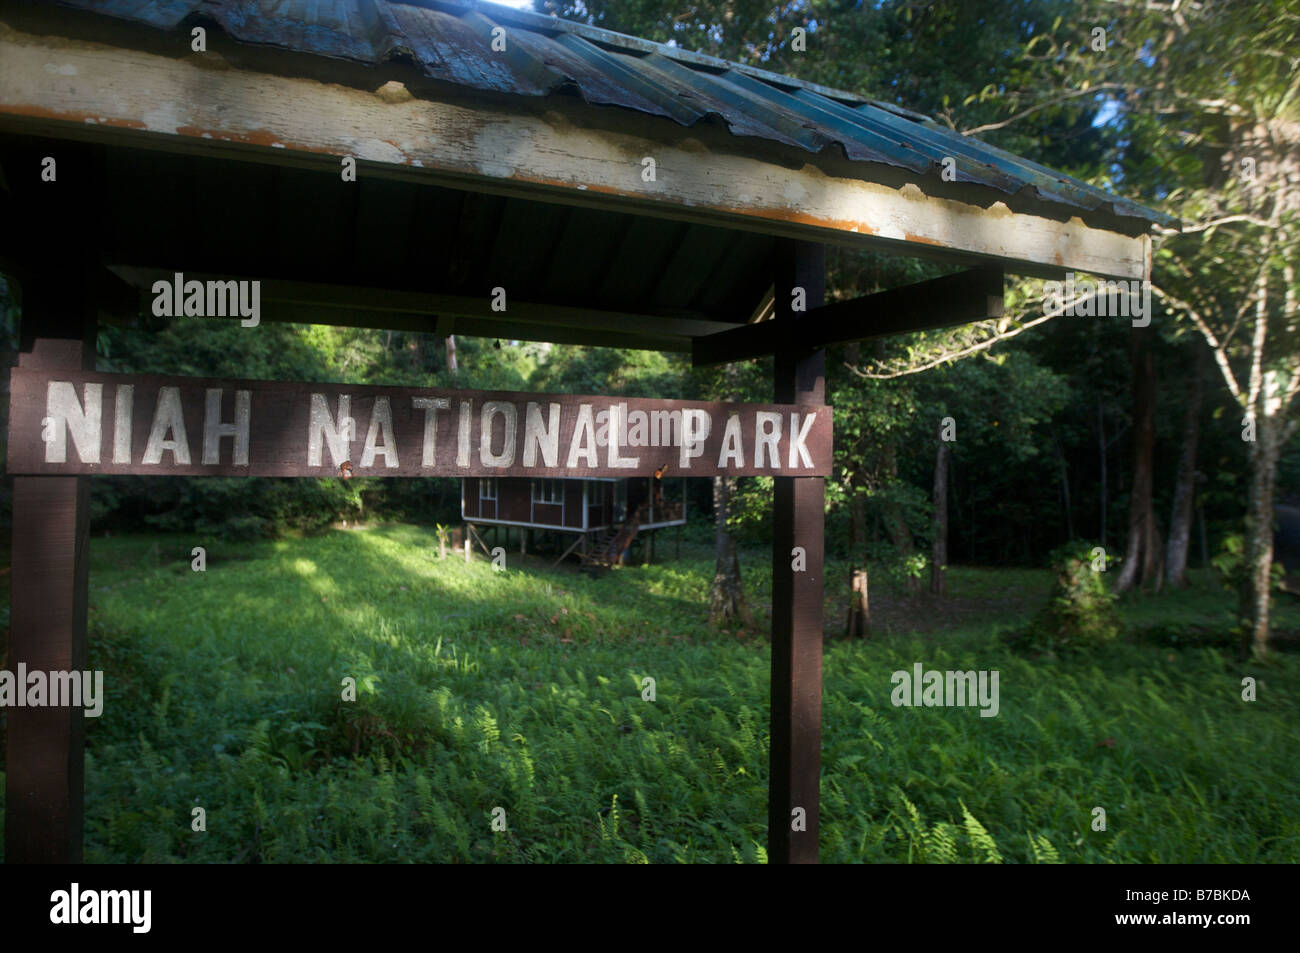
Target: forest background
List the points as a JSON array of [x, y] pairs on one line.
[[1167, 446]]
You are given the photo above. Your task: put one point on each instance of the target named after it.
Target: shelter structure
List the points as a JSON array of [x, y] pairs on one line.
[[461, 167]]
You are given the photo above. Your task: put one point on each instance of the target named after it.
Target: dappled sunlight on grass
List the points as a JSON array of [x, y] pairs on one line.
[[522, 689]]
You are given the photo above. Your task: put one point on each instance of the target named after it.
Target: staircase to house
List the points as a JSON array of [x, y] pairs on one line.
[[605, 553]]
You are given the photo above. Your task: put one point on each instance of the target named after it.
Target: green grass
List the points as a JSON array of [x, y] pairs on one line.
[[522, 690]]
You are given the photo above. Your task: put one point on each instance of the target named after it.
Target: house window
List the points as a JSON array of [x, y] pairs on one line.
[[487, 488], [596, 494], [548, 491]]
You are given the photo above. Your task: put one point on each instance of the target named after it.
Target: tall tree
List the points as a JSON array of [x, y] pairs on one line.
[[1142, 555], [731, 381], [1180, 519], [939, 548], [1207, 96], [726, 593]]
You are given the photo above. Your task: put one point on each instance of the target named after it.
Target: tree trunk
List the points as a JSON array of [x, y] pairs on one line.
[[1180, 520], [857, 520], [1205, 545], [726, 597], [939, 554], [1256, 589], [1101, 446], [1141, 553], [417, 352], [1065, 491], [451, 354], [900, 534], [857, 502]]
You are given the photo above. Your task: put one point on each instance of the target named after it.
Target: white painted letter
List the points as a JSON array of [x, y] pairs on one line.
[[507, 455], [323, 427], [798, 452], [61, 403], [430, 406], [537, 437], [214, 429], [381, 423], [583, 443], [167, 418], [767, 434], [696, 426]]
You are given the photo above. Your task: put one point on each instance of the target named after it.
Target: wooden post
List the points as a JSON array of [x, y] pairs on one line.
[[472, 533], [799, 505], [523, 540], [45, 754], [858, 624]]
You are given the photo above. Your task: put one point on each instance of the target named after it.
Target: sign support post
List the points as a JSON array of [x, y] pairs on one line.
[[799, 505], [45, 749]]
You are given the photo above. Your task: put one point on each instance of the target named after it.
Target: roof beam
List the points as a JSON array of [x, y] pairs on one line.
[[967, 296], [553, 151], [310, 303]]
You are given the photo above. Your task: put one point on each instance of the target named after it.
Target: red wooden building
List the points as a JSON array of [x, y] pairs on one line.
[[603, 515]]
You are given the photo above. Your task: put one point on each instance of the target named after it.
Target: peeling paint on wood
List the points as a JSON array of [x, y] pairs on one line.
[[550, 150]]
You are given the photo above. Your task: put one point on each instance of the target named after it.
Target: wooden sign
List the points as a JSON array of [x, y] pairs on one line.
[[74, 422]]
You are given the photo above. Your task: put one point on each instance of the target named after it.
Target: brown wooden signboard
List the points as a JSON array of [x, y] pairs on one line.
[[73, 422]]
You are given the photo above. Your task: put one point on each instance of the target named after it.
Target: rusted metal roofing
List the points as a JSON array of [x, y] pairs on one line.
[[451, 41]]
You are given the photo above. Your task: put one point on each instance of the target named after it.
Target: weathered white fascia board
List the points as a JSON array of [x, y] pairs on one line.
[[550, 150]]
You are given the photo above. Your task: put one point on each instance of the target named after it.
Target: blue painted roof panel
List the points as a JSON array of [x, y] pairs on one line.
[[451, 41]]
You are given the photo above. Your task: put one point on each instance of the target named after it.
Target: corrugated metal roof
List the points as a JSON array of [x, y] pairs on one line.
[[451, 41]]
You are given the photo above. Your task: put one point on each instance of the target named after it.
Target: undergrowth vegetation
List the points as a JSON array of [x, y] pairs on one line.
[[523, 690], [1080, 615]]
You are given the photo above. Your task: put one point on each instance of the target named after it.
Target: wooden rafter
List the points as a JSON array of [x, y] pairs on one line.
[[311, 303], [973, 295]]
